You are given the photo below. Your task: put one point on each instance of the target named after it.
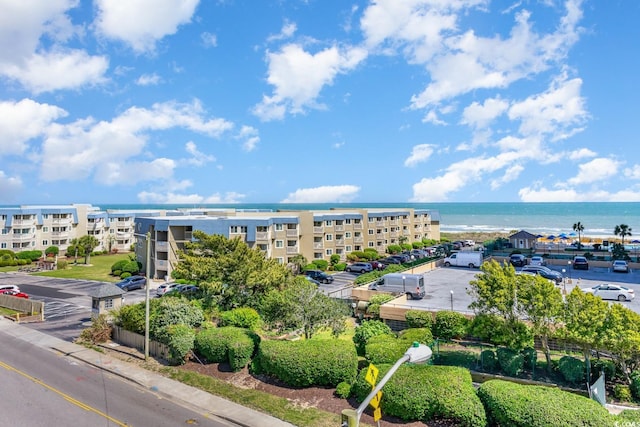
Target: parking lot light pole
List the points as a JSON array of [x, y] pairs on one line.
[[417, 353], [564, 281], [451, 299]]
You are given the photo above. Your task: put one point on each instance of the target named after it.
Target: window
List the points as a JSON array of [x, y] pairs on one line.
[[328, 237], [45, 242], [5, 231], [280, 260], [371, 244], [328, 223], [357, 248], [347, 235], [347, 221], [108, 303], [278, 227], [329, 252], [3, 217], [317, 255], [370, 232], [3, 245], [358, 234], [262, 229], [347, 248], [45, 229], [279, 244]]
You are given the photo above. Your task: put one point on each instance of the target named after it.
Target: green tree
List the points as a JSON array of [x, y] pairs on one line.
[[297, 263], [622, 337], [584, 321], [229, 271], [88, 244], [301, 306], [541, 302], [622, 230], [579, 228]]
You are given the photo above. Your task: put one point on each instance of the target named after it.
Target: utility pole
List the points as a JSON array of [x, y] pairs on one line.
[[146, 306]]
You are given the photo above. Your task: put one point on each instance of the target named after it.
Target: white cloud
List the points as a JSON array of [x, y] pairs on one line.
[[287, 31], [480, 115], [141, 23], [433, 118], [188, 199], [250, 138], [324, 194], [298, 77], [197, 157], [131, 173], [581, 154], [10, 187], [149, 80], [597, 170], [419, 153], [633, 172], [85, 146], [209, 39], [23, 120], [510, 174]]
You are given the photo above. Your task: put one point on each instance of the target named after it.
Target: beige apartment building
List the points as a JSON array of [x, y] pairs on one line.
[[282, 235]]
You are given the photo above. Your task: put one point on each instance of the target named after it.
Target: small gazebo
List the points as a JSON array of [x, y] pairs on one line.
[[523, 240], [105, 298]]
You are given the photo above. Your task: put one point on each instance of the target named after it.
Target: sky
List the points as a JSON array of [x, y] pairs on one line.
[[318, 101]]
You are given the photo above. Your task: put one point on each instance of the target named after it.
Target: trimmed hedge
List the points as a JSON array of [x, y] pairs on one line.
[[419, 319], [511, 362], [180, 339], [366, 330], [426, 392], [511, 404], [488, 360], [385, 349], [572, 369], [242, 317], [227, 344], [308, 363], [422, 335], [450, 324]]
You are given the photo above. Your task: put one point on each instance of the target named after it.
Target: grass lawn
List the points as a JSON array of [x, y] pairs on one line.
[[98, 269], [7, 311]]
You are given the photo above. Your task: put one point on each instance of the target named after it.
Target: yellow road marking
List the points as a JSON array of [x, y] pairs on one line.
[[64, 395]]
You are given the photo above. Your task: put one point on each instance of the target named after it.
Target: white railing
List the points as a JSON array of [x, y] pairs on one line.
[[292, 232], [318, 245], [292, 249], [318, 230], [339, 227], [262, 235], [357, 226]]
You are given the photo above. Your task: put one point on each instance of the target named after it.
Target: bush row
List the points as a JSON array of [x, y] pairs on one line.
[[227, 344]]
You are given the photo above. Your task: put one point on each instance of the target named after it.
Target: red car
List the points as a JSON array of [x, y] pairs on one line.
[[377, 265], [14, 293]]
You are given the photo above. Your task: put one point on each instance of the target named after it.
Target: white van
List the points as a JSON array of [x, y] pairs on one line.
[[412, 285], [469, 259]]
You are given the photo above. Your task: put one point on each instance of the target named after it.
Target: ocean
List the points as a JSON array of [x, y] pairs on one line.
[[598, 219]]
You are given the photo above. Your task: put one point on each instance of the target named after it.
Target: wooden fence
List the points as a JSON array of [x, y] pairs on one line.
[[134, 340]]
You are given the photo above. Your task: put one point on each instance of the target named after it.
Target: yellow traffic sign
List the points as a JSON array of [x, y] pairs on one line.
[[377, 414], [375, 401], [372, 375]]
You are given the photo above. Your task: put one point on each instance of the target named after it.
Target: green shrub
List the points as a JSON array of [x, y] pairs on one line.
[[309, 362], [62, 264], [487, 328], [369, 329], [419, 319], [226, 344], [598, 366], [530, 357], [118, 266], [511, 404], [510, 361], [343, 390], [450, 325], [628, 415], [53, 250], [124, 275], [340, 266], [385, 349], [571, 369], [242, 317], [173, 311], [375, 302], [425, 392], [320, 264], [132, 267], [635, 384], [622, 393], [180, 340], [421, 335], [29, 255], [488, 360], [240, 352]]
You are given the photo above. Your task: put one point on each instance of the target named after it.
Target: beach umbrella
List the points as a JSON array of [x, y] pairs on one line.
[[635, 241], [551, 237], [572, 234]]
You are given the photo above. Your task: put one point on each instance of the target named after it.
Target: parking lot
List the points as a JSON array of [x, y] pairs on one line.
[[446, 287]]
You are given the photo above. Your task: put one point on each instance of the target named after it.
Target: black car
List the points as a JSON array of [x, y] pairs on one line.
[[580, 263], [320, 276], [391, 260], [518, 260], [131, 283], [543, 271]]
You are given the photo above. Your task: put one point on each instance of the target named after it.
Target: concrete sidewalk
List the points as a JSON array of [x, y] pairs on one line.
[[156, 383]]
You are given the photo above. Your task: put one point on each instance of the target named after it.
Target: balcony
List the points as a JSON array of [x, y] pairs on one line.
[[292, 232], [394, 234], [357, 226], [339, 242], [162, 246], [379, 223], [59, 234], [380, 236], [263, 236], [339, 228], [61, 220], [394, 222], [23, 236], [292, 250], [24, 222], [318, 245], [358, 239], [406, 221], [318, 230], [406, 232]]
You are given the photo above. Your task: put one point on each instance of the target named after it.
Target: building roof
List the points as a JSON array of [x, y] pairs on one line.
[[523, 235], [106, 290]]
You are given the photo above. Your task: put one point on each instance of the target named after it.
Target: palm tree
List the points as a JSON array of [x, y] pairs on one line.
[[297, 263], [579, 228], [622, 230]]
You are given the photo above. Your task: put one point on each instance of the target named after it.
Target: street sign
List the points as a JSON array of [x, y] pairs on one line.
[[377, 414], [375, 402], [372, 375]]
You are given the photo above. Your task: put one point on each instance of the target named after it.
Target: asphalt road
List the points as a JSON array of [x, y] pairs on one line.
[[42, 389]]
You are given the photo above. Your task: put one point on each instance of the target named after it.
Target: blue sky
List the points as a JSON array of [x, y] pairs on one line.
[[196, 102]]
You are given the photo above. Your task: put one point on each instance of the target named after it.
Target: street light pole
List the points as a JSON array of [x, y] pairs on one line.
[[564, 281], [451, 299], [417, 353], [148, 284]]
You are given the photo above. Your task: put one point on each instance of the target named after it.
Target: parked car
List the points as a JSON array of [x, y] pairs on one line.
[[620, 266], [537, 260], [166, 287], [359, 267], [545, 272], [390, 260], [132, 282], [314, 281], [518, 260], [13, 293], [418, 253], [401, 257], [319, 275], [9, 288], [182, 290], [609, 291], [378, 265], [580, 263]]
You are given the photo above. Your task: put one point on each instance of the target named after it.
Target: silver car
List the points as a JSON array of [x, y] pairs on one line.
[[620, 266], [609, 291]]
